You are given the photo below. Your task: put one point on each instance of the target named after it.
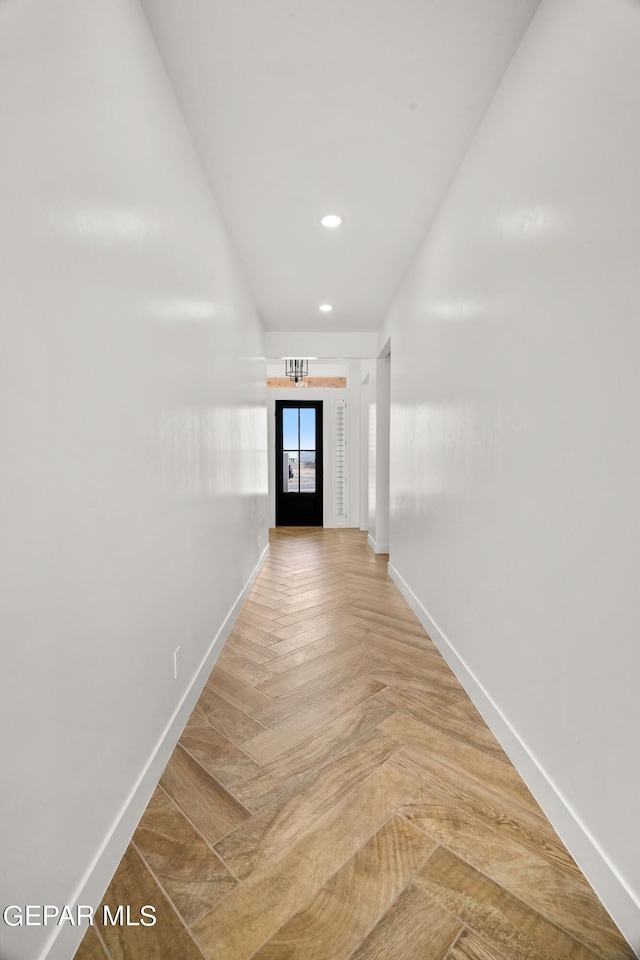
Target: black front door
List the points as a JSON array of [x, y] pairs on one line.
[[298, 463]]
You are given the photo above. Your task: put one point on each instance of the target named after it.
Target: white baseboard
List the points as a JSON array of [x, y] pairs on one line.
[[66, 938], [621, 902], [377, 547]]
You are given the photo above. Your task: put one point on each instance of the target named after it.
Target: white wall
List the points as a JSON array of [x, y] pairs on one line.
[[515, 448], [316, 368], [133, 493], [321, 343]]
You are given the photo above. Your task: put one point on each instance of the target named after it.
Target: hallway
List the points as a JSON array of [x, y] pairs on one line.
[[335, 794]]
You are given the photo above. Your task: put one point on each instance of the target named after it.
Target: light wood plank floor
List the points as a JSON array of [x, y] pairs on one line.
[[335, 794]]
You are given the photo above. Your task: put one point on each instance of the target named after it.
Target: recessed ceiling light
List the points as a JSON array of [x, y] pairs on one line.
[[331, 220], [325, 307]]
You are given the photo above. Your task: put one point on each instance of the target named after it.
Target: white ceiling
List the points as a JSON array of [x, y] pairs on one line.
[[363, 107]]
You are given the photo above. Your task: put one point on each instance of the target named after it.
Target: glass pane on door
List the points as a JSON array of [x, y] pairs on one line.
[[290, 471], [290, 435], [307, 429], [307, 471]]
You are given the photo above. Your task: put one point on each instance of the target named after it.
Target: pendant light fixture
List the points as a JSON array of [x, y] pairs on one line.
[[296, 370]]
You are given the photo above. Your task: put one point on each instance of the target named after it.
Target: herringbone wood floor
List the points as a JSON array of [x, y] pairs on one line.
[[335, 794]]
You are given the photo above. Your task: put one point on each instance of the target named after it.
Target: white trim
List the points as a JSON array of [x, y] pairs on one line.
[[605, 879], [377, 547], [385, 351], [66, 938]]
